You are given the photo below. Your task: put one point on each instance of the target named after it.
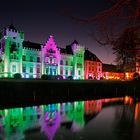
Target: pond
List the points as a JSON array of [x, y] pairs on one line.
[[104, 119]]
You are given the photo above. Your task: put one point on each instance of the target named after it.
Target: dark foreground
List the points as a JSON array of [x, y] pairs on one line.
[[36, 92]]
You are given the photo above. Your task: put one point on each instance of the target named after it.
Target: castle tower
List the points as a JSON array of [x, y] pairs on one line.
[[11, 47], [78, 60]]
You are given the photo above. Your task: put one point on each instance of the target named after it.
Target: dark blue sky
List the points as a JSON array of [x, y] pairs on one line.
[[40, 18]]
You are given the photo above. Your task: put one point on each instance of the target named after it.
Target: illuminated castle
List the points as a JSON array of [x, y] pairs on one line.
[[32, 60]]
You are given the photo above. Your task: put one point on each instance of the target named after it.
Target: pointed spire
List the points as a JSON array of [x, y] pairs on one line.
[[74, 42]]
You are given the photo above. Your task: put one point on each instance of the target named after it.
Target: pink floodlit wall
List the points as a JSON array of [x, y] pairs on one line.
[[50, 57], [50, 49]]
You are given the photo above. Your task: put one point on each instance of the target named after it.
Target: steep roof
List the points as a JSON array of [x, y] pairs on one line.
[[63, 50], [88, 55], [32, 45], [74, 42], [67, 50]]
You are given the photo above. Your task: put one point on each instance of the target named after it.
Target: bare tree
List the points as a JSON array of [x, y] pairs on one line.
[[118, 27]]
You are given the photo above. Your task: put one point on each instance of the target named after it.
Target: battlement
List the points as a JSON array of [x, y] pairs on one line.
[[11, 31], [31, 49]]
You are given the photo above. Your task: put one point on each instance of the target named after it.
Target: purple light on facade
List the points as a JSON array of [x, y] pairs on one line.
[[50, 124], [50, 49], [51, 57]]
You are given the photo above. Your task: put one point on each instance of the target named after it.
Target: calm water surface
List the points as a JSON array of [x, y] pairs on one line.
[[105, 119]]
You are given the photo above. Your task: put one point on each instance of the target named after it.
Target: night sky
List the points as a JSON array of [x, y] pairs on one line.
[[40, 18]]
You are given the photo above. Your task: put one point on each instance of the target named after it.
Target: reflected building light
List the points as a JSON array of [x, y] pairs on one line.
[[128, 100], [58, 106], [112, 100], [92, 107], [137, 109], [50, 124]]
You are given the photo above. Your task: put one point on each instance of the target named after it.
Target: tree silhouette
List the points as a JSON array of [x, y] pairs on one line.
[[118, 27]]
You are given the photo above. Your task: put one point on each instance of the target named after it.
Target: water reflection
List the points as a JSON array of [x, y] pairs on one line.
[[114, 119]]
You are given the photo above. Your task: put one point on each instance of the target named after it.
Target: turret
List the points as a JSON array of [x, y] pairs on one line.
[[11, 46], [78, 58]]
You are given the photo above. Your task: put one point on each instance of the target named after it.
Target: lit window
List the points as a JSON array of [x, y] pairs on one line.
[[54, 71], [31, 69], [14, 68]]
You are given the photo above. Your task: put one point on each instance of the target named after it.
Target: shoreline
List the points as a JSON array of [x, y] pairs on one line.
[[29, 92]]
